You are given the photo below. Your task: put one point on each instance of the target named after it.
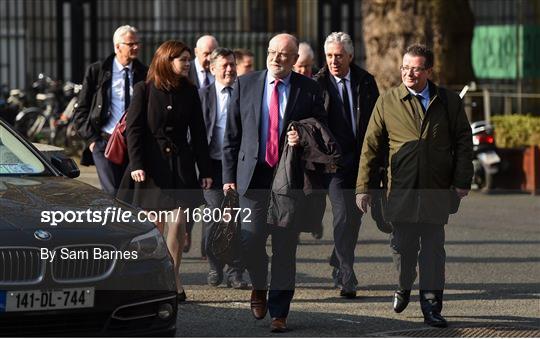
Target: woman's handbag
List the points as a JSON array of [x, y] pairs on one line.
[[223, 240], [116, 150]]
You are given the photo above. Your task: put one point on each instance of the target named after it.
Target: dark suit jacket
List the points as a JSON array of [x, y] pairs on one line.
[[92, 111], [241, 140], [209, 109], [93, 106], [364, 92], [193, 74]]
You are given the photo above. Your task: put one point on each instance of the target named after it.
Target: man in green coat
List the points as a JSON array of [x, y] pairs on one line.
[[423, 132]]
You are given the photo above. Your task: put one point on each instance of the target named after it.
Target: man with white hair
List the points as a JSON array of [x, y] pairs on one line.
[[199, 73], [105, 96], [306, 58], [262, 105], [349, 95]]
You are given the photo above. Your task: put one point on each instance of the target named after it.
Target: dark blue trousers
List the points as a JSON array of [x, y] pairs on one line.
[[109, 174], [346, 222], [254, 234], [214, 198]]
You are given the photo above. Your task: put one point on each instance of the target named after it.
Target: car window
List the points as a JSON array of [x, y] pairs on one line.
[[15, 157]]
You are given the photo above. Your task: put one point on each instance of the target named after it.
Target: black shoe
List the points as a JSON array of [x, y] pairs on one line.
[[349, 294], [435, 319], [401, 300], [237, 283], [317, 232], [214, 278], [181, 297]]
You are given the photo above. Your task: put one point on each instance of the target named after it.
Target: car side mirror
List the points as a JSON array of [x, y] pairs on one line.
[[66, 165]]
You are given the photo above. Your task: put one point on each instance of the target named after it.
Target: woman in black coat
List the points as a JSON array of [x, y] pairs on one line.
[[161, 175]]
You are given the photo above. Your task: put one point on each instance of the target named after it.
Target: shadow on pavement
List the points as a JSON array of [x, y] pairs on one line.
[[238, 322]]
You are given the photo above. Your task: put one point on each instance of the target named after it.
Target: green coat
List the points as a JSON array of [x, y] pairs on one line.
[[424, 159]]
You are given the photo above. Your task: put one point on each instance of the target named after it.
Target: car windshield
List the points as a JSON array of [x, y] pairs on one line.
[[15, 157]]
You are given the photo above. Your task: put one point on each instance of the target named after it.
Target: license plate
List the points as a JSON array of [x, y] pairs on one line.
[[39, 300], [489, 158]]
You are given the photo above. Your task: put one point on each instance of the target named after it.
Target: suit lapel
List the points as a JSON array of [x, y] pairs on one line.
[[408, 105], [193, 74], [258, 94], [212, 106], [355, 89], [291, 101]]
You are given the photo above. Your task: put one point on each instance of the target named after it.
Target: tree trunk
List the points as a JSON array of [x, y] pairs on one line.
[[446, 27]]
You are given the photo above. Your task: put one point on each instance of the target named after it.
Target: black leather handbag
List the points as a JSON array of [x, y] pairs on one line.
[[223, 240]]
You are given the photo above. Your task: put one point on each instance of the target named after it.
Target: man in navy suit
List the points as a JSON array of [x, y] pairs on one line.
[[215, 101], [262, 105], [349, 95]]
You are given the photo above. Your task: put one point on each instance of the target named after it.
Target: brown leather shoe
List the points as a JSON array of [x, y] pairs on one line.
[[259, 306], [278, 325]]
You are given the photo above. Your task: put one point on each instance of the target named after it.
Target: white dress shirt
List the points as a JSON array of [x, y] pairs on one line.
[[201, 73], [117, 103], [222, 104]]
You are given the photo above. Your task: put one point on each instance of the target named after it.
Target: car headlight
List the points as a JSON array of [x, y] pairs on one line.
[[149, 245]]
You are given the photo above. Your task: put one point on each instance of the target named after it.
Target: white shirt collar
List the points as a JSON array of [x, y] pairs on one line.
[[119, 67], [285, 81], [219, 87], [198, 66], [348, 77]]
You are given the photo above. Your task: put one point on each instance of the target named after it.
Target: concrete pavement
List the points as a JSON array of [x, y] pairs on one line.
[[492, 286]]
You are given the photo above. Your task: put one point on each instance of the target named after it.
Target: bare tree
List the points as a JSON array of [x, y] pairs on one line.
[[389, 26]]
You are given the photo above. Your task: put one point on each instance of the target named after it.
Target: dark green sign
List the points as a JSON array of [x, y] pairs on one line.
[[496, 55]]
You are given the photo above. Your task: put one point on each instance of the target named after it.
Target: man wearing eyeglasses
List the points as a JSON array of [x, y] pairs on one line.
[[349, 96], [261, 107], [105, 96], [430, 168], [215, 101]]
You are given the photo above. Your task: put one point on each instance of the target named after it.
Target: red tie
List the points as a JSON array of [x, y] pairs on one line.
[[272, 144]]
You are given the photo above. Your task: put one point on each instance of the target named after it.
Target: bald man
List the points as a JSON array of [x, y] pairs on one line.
[[199, 72], [262, 105]]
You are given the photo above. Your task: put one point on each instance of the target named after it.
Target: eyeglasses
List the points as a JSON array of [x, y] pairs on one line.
[[415, 70], [283, 56], [131, 44]]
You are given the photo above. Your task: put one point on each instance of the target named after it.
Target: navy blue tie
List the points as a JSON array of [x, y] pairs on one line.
[[126, 89], [421, 99]]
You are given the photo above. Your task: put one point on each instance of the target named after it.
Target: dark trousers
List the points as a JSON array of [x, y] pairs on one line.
[[347, 220], [406, 241], [214, 198], [253, 238], [109, 174]]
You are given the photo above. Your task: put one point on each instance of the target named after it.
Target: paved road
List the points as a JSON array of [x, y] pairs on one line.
[[493, 281]]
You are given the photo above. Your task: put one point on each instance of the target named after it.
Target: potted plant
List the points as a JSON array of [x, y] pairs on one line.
[[518, 139]]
